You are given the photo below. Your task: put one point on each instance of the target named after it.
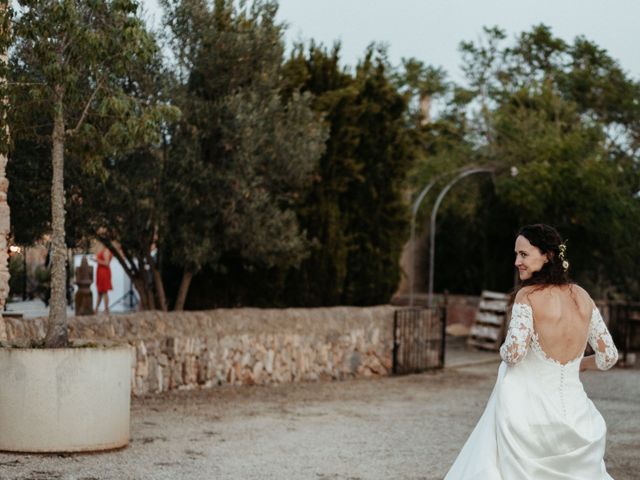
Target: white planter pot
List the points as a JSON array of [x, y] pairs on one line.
[[64, 399]]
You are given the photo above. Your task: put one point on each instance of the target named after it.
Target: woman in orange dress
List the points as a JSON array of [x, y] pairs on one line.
[[103, 278]]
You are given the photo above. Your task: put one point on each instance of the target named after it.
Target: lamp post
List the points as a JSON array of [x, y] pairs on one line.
[[434, 212], [414, 214]]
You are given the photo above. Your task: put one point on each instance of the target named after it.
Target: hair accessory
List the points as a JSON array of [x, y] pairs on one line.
[[563, 248]]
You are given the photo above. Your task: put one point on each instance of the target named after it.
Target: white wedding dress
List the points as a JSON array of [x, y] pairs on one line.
[[539, 423]]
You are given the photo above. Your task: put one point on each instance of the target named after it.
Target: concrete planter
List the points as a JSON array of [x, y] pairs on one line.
[[65, 399]]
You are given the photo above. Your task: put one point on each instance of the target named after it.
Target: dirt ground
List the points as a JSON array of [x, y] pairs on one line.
[[409, 427]]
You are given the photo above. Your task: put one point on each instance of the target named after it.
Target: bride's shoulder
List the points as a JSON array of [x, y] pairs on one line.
[[528, 294], [550, 298], [580, 294], [579, 290], [583, 299], [526, 290]]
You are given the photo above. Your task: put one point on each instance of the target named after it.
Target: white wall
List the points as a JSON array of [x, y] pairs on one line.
[[120, 282]]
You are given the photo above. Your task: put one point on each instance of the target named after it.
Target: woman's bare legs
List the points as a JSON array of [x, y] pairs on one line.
[[98, 303], [103, 296]]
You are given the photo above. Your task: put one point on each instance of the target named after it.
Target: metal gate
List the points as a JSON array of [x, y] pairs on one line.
[[418, 339], [624, 324]]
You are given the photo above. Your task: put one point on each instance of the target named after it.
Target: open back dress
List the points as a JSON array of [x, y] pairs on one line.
[[539, 423]]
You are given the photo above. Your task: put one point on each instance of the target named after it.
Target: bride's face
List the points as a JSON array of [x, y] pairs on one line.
[[529, 259]]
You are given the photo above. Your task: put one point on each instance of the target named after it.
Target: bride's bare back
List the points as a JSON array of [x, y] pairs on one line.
[[561, 317]]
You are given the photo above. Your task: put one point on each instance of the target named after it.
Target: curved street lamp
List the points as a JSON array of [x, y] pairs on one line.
[[414, 214], [434, 212]]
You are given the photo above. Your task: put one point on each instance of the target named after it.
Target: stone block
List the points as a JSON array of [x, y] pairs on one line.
[[355, 359], [142, 368], [171, 347], [141, 350], [257, 371], [159, 379], [246, 360], [163, 360], [269, 362], [231, 375], [247, 377]]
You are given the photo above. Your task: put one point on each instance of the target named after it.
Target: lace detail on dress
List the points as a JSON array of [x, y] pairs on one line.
[[535, 345], [518, 335], [601, 342]]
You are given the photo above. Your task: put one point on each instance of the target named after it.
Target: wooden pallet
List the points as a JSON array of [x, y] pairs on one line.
[[488, 329]]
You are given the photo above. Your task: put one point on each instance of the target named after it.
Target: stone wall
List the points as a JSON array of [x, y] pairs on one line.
[[243, 346]]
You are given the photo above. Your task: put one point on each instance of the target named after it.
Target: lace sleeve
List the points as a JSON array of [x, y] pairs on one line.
[[601, 342], [518, 335]]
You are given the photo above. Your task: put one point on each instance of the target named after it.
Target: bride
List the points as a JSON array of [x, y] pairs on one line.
[[539, 423]]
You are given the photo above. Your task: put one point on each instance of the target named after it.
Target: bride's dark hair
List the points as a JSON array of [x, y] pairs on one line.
[[548, 241]]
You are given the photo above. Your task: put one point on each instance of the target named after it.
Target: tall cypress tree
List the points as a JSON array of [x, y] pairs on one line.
[[320, 279], [377, 214], [354, 209]]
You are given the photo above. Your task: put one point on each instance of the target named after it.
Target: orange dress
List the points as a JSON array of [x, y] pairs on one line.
[[103, 274]]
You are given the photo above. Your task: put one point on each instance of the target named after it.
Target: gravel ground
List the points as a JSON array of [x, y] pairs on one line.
[[409, 427]]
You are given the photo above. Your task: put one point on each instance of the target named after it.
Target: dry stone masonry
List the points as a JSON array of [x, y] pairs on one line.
[[5, 224], [244, 346]]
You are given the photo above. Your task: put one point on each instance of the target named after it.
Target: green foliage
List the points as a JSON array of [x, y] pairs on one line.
[[564, 116], [378, 218], [124, 203], [70, 62], [322, 211], [286, 182], [243, 153], [353, 211], [29, 174], [84, 58], [84, 55]]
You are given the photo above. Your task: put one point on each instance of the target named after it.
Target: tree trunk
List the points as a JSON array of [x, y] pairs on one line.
[[425, 109], [187, 275], [157, 281], [5, 224], [146, 294], [57, 331]]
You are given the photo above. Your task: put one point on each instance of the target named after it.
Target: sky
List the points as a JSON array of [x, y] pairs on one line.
[[431, 30]]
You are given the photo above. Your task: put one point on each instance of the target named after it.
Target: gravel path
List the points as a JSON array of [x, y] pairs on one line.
[[408, 427]]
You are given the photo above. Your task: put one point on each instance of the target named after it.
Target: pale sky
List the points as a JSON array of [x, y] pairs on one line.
[[431, 30]]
